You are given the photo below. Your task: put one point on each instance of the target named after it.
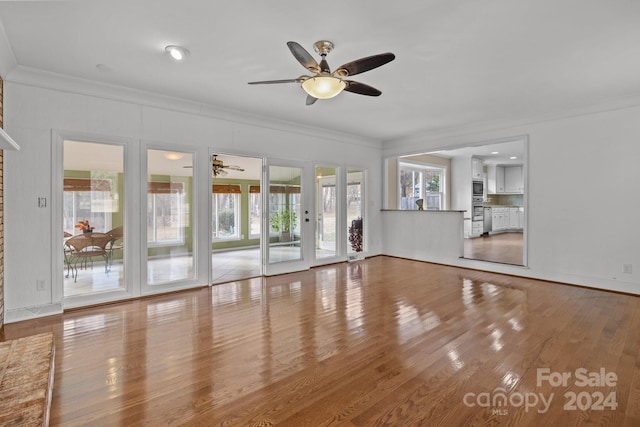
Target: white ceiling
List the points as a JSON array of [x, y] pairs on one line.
[[503, 153], [458, 63]]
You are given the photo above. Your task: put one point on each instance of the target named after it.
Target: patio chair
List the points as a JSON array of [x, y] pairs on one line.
[[84, 247], [117, 236]]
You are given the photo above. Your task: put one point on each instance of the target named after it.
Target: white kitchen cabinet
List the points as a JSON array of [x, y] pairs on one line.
[[521, 218], [499, 219], [476, 228], [492, 178], [476, 168], [500, 179], [513, 179], [513, 218], [505, 179]]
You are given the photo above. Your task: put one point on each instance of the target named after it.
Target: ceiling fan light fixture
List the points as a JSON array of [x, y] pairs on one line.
[[173, 156], [177, 52], [323, 87]]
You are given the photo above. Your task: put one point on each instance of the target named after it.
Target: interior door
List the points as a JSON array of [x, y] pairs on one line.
[[287, 217]]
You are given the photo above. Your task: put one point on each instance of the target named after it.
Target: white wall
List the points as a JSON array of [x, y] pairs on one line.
[[433, 235], [583, 196], [33, 113]]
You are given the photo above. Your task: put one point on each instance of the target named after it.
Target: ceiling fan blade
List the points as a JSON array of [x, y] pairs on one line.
[[361, 88], [270, 82], [364, 64], [311, 100], [233, 168], [303, 57]]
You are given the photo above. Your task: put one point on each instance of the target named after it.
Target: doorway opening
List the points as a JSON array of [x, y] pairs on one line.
[[236, 219], [487, 181]]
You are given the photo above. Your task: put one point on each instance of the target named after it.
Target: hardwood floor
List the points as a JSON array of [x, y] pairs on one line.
[[383, 341], [505, 248]]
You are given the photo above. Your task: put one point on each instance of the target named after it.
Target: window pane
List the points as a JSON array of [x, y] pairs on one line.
[[285, 193], [254, 214], [170, 239], [421, 182], [165, 218], [93, 214], [355, 220], [326, 206], [226, 216]]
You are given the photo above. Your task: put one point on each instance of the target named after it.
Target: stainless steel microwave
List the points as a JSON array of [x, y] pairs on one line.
[[478, 187]]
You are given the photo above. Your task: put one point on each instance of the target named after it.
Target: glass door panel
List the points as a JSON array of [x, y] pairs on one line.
[[287, 219], [327, 212], [236, 218], [355, 214], [170, 239], [93, 212]]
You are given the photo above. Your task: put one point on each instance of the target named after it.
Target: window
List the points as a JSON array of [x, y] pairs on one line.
[[226, 212], [88, 199], [284, 199], [165, 212], [355, 212], [424, 182], [254, 211]]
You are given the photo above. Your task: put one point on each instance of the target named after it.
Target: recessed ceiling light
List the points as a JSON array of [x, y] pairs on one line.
[[513, 157], [173, 156], [495, 152], [177, 52]]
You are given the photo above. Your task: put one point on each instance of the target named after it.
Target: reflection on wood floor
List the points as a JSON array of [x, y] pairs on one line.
[[506, 248], [383, 341], [226, 266]]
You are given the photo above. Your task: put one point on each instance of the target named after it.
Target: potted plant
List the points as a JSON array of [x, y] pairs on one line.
[[355, 234], [283, 222]]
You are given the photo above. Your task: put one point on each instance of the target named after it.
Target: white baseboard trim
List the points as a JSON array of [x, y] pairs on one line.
[[27, 313]]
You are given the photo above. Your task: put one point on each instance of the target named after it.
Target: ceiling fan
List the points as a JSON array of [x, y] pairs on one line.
[[218, 167], [325, 84]]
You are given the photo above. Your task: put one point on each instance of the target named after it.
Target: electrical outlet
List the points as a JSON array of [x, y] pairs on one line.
[[42, 202], [41, 285], [627, 269]]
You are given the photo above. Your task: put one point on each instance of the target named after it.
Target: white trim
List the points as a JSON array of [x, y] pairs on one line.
[[200, 267], [48, 80], [6, 142], [27, 313], [131, 279], [457, 131]]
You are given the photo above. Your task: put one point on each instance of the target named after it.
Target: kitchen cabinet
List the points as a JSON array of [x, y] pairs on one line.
[[495, 179], [521, 218], [499, 179], [505, 179], [476, 228], [499, 219], [476, 168], [507, 218], [513, 179], [513, 218]]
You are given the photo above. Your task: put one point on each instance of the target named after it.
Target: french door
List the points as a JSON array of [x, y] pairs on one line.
[[288, 228]]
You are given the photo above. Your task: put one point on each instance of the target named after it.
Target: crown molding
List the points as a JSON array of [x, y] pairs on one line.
[[600, 106], [48, 80]]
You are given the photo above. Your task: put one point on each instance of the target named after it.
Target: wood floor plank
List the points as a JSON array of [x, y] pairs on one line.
[[383, 341]]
